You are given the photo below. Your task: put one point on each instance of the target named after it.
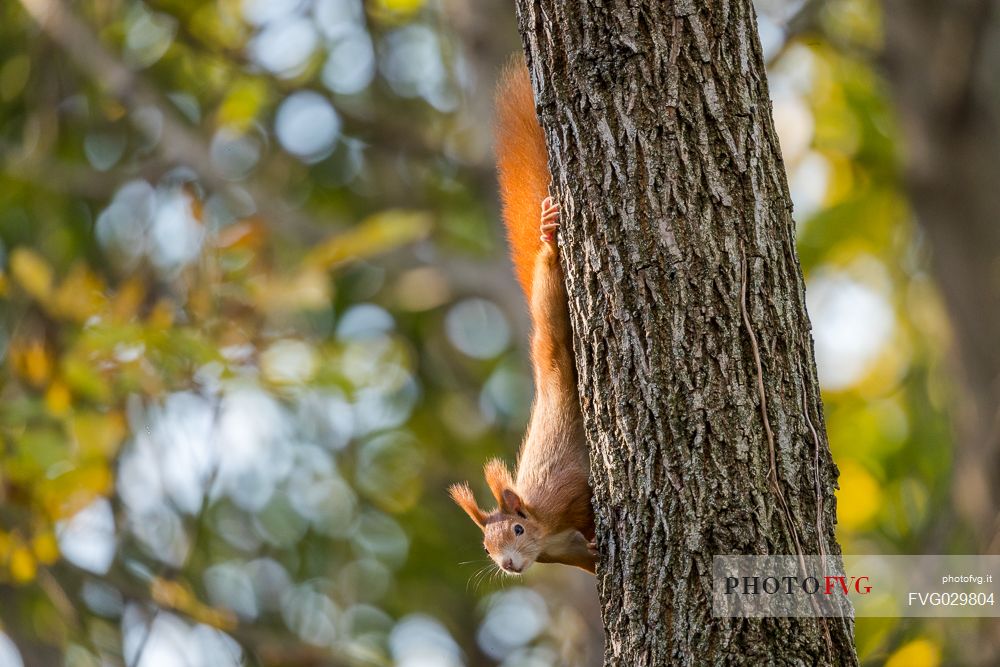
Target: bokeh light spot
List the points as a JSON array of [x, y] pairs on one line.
[[307, 125]]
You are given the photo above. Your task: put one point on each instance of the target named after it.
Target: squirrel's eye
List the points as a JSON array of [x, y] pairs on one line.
[[518, 529]]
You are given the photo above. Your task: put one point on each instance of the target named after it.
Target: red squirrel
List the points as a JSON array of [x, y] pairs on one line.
[[544, 513]]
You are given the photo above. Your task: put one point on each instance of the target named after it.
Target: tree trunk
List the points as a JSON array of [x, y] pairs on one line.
[[942, 62], [697, 374]]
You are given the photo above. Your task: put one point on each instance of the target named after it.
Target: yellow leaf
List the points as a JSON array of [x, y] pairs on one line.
[[219, 23], [200, 302], [171, 593], [32, 272], [128, 299], [58, 398], [309, 289], [84, 379], [223, 619], [45, 547], [917, 653], [248, 234], [162, 315], [22, 564], [98, 434], [176, 595], [95, 478], [70, 492], [376, 234], [80, 296], [860, 496], [242, 104], [37, 364], [113, 109], [397, 9], [31, 360]]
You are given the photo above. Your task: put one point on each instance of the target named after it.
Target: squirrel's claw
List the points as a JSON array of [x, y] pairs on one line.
[[550, 219]]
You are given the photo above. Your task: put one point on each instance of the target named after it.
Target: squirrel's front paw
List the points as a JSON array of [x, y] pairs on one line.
[[592, 547], [550, 220]]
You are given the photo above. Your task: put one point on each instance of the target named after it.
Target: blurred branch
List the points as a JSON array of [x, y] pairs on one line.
[[58, 597], [179, 141], [77, 180]]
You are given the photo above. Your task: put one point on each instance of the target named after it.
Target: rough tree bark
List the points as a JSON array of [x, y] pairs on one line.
[[942, 60], [697, 374]]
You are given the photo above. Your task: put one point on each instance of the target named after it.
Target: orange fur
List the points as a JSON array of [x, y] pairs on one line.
[[543, 511], [499, 479], [522, 167], [463, 496]]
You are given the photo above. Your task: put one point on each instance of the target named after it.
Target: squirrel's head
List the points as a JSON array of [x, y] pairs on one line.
[[512, 537]]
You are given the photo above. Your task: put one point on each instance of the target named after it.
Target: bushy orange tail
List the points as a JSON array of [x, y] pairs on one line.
[[523, 167]]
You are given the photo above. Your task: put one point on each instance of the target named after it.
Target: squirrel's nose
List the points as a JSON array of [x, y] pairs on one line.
[[508, 564]]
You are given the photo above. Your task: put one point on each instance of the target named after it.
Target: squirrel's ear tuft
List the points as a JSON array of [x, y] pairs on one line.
[[463, 497], [511, 503], [499, 480]]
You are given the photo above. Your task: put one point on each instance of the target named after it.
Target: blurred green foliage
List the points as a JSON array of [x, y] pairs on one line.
[[257, 315]]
